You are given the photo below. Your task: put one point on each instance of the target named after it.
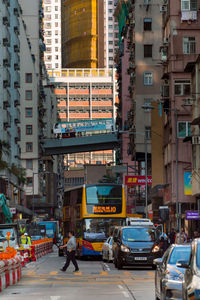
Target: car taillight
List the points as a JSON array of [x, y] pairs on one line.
[[87, 245]]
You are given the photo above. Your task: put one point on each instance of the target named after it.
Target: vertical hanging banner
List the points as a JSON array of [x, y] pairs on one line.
[[187, 183]]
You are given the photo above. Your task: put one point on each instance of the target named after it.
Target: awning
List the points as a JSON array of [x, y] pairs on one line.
[[196, 121], [189, 67], [187, 139]]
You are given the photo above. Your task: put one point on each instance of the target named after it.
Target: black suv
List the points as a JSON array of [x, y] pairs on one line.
[[135, 245]]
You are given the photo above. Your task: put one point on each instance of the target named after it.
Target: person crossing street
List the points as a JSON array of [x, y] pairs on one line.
[[71, 250]]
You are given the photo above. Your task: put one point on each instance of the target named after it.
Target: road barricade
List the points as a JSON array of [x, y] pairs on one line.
[[40, 248], [10, 271]]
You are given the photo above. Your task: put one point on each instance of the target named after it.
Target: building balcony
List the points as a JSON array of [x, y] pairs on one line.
[[188, 15], [16, 98], [6, 120], [17, 80], [6, 99], [6, 78], [6, 57], [6, 36]]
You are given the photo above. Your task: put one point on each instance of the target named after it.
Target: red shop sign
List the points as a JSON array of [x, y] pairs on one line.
[[138, 180]]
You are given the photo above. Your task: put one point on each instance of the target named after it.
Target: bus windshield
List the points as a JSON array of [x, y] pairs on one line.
[[139, 234], [99, 229], [104, 194]]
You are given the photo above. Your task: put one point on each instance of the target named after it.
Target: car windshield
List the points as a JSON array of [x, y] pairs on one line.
[[198, 256], [99, 229], [139, 234], [3, 234], [179, 253]]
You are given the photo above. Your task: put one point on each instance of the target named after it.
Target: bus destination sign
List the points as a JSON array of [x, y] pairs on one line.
[[104, 209]]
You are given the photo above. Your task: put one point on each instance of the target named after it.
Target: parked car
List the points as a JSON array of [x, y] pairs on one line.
[[107, 252], [135, 245], [191, 282], [168, 276]]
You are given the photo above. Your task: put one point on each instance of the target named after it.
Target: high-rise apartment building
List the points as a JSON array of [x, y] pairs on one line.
[[52, 33], [10, 170], [37, 113], [139, 73], [181, 46], [83, 34], [111, 32]]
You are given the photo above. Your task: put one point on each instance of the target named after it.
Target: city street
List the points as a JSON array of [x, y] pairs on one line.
[[43, 280]]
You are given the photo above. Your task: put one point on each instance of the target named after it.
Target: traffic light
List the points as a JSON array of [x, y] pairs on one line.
[[164, 213]]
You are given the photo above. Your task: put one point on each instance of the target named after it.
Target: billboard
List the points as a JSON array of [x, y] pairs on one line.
[[138, 180], [187, 183]]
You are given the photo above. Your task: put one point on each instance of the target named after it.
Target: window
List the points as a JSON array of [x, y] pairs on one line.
[[56, 32], [48, 8], [147, 24], [182, 87], [110, 42], [56, 41], [29, 147], [110, 26], [147, 132], [28, 77], [29, 129], [110, 10], [116, 35], [189, 5], [56, 8], [110, 50], [28, 112], [28, 95], [183, 129], [147, 103], [110, 18], [56, 24], [110, 58], [56, 57], [47, 25], [110, 34], [56, 49], [148, 78], [29, 181], [48, 49], [29, 164], [147, 50], [189, 45]]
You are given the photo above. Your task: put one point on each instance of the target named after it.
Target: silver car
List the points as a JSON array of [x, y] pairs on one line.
[[168, 276], [107, 252]]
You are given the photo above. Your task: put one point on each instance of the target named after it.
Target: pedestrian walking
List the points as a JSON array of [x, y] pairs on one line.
[[71, 250], [172, 236], [181, 238]]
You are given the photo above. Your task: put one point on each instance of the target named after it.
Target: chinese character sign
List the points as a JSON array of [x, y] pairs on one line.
[[138, 180], [188, 183]]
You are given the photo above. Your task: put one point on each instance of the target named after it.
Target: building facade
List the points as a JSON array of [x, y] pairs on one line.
[[181, 24], [83, 41], [38, 113], [10, 168], [84, 94], [52, 33], [139, 73]]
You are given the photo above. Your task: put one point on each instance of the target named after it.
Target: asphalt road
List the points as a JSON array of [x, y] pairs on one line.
[[43, 280]]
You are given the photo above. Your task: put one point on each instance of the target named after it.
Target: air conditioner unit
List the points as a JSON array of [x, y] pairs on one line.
[[163, 8], [166, 40], [196, 140], [188, 101]]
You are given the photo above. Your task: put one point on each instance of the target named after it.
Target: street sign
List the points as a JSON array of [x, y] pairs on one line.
[[138, 180], [119, 169], [192, 215]]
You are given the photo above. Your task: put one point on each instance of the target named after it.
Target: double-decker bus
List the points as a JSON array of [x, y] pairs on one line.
[[92, 211]]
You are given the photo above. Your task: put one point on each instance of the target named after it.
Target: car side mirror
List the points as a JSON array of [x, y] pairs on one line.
[[182, 264], [157, 261]]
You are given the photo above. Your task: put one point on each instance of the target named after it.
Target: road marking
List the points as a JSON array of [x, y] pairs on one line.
[[103, 273], [125, 294], [127, 272], [120, 286], [77, 273], [106, 267], [55, 297], [53, 273]]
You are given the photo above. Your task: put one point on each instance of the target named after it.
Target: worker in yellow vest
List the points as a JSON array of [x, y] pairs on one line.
[[22, 229], [25, 239]]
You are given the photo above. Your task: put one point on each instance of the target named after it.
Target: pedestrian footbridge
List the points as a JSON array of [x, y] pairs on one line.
[[96, 142]]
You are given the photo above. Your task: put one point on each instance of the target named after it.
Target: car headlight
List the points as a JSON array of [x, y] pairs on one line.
[[124, 248], [156, 249]]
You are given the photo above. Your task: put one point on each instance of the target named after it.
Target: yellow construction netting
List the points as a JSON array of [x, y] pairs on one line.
[[80, 34]]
